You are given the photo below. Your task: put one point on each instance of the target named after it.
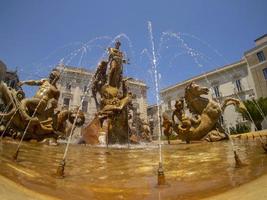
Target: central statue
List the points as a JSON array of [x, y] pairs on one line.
[[116, 60], [114, 100]]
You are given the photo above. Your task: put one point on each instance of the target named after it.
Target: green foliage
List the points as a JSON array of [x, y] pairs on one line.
[[240, 128], [256, 111]]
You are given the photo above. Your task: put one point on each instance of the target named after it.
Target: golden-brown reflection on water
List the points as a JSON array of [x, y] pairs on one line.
[[192, 171]]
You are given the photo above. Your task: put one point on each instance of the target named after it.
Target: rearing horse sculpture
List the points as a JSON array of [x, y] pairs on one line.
[[207, 111]]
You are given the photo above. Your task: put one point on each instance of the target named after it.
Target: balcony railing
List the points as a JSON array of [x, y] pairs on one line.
[[219, 95]]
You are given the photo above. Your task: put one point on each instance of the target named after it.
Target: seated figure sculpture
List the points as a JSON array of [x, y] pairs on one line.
[[99, 80], [47, 92], [167, 126], [206, 112], [184, 122], [39, 116]]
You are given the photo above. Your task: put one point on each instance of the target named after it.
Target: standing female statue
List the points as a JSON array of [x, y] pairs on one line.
[[115, 65]]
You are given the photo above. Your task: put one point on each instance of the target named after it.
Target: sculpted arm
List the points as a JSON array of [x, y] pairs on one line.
[[32, 82], [173, 115], [57, 95]]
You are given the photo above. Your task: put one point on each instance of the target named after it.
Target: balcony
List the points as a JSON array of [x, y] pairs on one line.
[[238, 90], [217, 96]]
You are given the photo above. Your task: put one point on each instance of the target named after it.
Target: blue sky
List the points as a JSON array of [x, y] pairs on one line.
[[35, 35]]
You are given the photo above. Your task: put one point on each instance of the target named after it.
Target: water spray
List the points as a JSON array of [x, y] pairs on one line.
[[15, 155], [161, 176], [238, 162]]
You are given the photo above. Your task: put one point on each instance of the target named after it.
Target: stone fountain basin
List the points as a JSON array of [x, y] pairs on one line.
[[194, 171]]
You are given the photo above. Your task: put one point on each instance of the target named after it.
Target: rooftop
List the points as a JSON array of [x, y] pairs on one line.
[[261, 37], [204, 75]]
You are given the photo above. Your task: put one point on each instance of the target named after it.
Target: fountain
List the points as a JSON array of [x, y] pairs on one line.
[[122, 171], [114, 100]]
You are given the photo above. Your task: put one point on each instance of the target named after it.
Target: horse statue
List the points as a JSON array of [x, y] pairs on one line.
[[206, 112]]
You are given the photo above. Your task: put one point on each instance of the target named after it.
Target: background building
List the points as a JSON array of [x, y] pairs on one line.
[[245, 79], [153, 120], [257, 64], [229, 81], [75, 81]]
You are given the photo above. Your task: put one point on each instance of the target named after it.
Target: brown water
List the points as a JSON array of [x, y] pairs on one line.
[[192, 171]]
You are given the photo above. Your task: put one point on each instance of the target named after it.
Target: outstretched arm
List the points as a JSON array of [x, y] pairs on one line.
[[173, 116], [31, 82]]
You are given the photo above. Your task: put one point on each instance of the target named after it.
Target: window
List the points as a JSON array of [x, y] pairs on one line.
[[66, 102], [84, 88], [265, 73], [216, 91], [261, 56], [238, 85], [68, 86], [84, 106]]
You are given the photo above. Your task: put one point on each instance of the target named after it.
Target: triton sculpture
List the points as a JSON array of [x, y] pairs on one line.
[[37, 116], [205, 115]]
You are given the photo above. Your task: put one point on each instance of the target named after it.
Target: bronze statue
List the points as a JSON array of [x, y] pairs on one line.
[[99, 80], [167, 127], [115, 99], [207, 111], [184, 122], [179, 110], [37, 114], [115, 62], [47, 92]]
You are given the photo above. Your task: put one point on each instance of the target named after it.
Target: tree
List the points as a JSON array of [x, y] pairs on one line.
[[256, 111]]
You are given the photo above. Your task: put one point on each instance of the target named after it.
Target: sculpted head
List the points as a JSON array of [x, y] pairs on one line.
[[103, 64], [54, 76], [117, 44], [165, 117], [196, 90], [179, 104]]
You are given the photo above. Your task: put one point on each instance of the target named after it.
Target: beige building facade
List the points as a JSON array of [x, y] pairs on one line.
[[257, 64]]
